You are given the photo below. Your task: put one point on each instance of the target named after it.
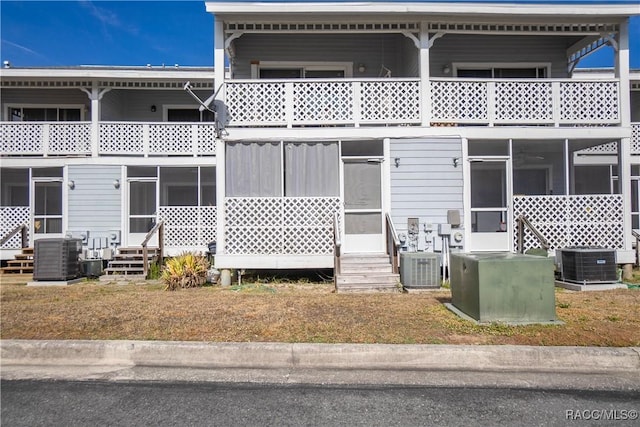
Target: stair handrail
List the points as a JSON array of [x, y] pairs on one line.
[[524, 222], [22, 228], [337, 247], [393, 243], [158, 228], [636, 234]]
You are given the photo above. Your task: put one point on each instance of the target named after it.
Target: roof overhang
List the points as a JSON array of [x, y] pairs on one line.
[[568, 9], [90, 72], [114, 77]]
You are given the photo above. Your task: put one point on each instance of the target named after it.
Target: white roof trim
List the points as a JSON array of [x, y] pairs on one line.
[[443, 8], [98, 73]]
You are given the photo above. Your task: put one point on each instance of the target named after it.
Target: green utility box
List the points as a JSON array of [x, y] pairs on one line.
[[503, 287]]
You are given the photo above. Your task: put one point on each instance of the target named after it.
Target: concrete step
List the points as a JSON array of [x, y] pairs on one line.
[[137, 250], [345, 279], [126, 271], [366, 268], [124, 262], [20, 263], [364, 259], [369, 288]]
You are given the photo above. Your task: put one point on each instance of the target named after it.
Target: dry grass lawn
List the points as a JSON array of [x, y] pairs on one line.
[[297, 312]]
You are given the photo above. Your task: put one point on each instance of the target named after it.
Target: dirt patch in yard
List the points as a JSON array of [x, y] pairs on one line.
[[297, 312]]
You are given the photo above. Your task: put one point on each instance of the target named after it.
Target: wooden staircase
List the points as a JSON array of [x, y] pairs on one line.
[[128, 263], [367, 273], [22, 264]]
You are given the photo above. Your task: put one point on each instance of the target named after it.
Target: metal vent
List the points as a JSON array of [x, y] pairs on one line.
[[420, 270]]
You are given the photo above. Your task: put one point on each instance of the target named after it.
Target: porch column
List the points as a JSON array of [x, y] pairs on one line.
[[425, 86], [624, 144], [219, 73], [218, 59], [221, 192], [95, 96]]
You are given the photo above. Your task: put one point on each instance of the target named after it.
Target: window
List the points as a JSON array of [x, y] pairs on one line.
[[14, 187], [189, 115], [45, 114], [311, 169], [274, 169], [511, 71], [296, 70], [188, 186]]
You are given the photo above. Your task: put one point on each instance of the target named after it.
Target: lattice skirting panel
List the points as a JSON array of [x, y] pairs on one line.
[[189, 226], [590, 220], [13, 216], [280, 225]]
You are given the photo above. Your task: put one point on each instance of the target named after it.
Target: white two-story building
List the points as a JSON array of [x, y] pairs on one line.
[[372, 116]]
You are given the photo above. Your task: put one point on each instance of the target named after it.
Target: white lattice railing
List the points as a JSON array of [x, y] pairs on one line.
[[280, 225], [45, 138], [397, 101], [525, 102], [611, 148], [323, 102], [11, 217], [149, 139], [188, 226], [590, 220]]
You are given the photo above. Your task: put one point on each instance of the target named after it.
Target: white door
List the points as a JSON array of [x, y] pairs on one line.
[[490, 195], [143, 208], [363, 216]]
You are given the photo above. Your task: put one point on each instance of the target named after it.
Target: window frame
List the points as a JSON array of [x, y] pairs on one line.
[[455, 66], [58, 107], [346, 67]]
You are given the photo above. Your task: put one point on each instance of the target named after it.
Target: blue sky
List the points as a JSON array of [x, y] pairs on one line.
[[67, 33]]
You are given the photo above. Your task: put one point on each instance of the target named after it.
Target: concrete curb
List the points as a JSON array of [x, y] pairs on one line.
[[298, 356]]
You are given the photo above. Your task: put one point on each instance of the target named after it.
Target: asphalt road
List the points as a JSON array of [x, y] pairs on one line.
[[91, 403]]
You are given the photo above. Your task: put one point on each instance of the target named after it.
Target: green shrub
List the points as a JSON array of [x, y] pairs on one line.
[[188, 270]]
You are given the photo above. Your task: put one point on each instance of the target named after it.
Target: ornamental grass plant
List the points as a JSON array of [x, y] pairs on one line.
[[187, 270]]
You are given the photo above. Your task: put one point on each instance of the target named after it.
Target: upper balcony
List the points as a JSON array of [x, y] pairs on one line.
[[333, 102], [44, 139], [403, 101]]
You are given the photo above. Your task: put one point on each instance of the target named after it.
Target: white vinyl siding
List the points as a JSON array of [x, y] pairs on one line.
[[94, 203], [425, 184]]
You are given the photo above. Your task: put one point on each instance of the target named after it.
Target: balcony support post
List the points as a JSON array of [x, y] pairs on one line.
[[95, 96], [425, 87], [624, 144], [218, 59]]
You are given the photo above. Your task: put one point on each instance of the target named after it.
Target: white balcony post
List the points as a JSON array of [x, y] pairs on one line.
[[194, 140], [288, 104], [555, 100], [357, 103], [218, 59], [624, 145], [425, 87], [46, 127], [491, 103], [95, 119], [221, 191], [145, 139]]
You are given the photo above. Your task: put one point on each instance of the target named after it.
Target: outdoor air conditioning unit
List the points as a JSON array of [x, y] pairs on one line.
[[419, 270], [56, 259], [586, 265]]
